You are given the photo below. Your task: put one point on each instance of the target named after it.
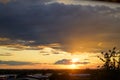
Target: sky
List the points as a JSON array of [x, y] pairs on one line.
[[51, 34]]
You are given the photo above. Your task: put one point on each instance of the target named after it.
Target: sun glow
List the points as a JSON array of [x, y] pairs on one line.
[[74, 60], [73, 63], [73, 66]]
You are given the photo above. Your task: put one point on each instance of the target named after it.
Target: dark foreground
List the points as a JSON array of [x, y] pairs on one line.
[[59, 75]]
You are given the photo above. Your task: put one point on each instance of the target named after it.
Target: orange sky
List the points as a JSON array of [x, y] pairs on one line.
[[49, 34]]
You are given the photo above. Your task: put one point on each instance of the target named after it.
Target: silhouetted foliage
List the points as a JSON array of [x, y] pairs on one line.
[[111, 59], [110, 70]]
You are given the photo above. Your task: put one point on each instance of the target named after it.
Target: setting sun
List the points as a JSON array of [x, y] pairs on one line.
[[74, 60], [73, 66], [73, 63]]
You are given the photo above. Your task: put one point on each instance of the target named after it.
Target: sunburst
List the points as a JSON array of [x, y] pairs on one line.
[[74, 60]]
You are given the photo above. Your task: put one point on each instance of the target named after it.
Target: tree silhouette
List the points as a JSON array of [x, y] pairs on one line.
[[111, 59]]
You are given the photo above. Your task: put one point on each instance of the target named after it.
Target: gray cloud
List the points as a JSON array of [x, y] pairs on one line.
[[59, 23], [48, 50], [69, 62], [22, 1], [63, 61], [14, 63], [117, 1]]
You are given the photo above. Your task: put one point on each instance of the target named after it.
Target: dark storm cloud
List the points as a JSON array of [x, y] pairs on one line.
[[14, 63], [57, 23]]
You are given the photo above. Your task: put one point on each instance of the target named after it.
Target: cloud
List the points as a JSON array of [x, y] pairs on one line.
[[71, 26], [69, 62], [18, 45], [30, 1], [3, 39], [84, 62], [15, 63], [63, 61], [5, 54], [45, 54], [117, 1], [48, 50], [86, 59], [8, 41], [4, 1]]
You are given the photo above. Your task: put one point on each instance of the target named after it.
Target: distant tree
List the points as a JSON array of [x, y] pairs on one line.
[[111, 59]]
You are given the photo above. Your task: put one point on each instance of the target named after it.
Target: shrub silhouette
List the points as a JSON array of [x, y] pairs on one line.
[[111, 59]]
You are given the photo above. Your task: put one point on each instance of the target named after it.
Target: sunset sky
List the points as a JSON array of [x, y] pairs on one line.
[[56, 34]]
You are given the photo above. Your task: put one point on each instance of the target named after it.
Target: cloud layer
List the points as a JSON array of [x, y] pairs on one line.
[[30, 24], [109, 0], [15, 63]]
